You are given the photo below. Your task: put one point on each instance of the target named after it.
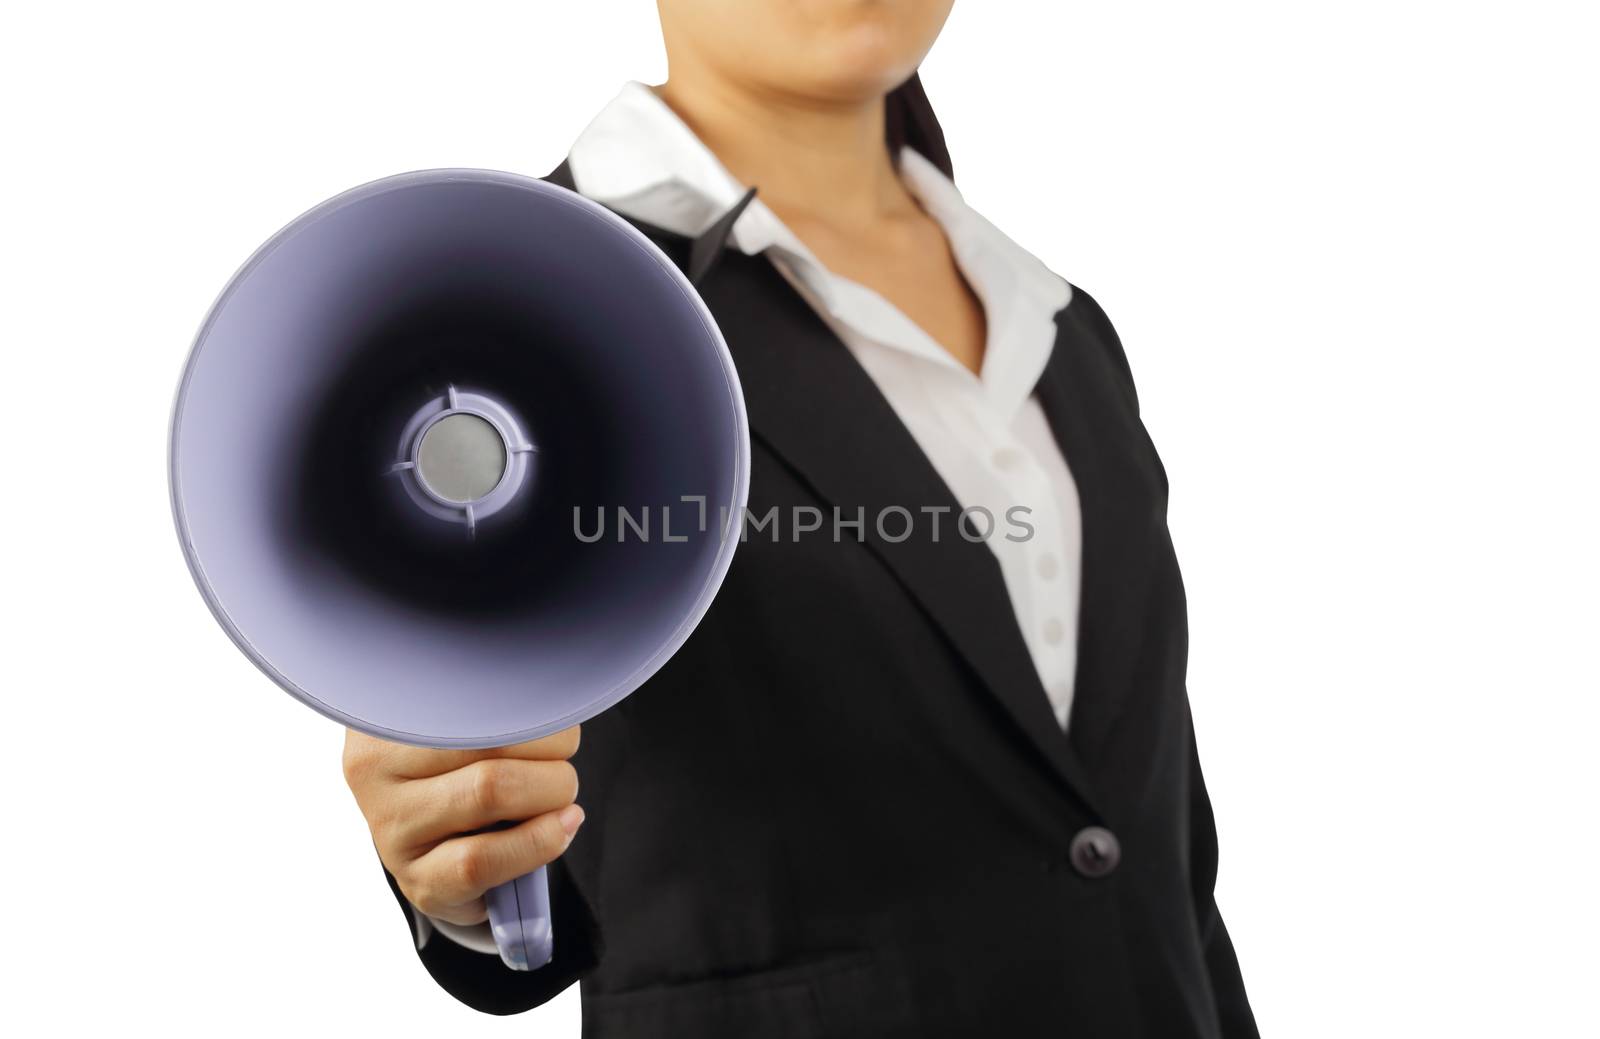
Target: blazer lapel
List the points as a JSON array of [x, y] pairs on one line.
[[1095, 420], [813, 405]]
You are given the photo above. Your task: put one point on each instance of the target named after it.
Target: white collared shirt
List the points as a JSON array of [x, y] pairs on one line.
[[985, 435]]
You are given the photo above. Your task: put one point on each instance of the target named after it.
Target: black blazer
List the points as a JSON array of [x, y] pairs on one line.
[[845, 807]]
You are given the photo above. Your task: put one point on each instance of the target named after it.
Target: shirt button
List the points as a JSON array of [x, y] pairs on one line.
[[1047, 567], [1095, 851], [1007, 459], [1054, 632]]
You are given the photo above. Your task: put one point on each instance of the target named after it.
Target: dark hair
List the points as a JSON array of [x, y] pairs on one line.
[[909, 122]]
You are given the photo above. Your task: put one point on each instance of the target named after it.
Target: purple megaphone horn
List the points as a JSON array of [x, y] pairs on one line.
[[385, 430]]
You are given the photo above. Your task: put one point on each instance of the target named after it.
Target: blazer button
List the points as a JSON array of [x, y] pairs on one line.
[[1095, 851]]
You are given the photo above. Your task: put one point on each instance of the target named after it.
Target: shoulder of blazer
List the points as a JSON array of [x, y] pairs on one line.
[[1085, 311]]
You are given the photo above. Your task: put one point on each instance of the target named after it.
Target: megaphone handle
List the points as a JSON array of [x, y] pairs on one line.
[[519, 917]]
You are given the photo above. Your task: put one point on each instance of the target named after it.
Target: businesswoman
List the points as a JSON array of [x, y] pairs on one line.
[[926, 768]]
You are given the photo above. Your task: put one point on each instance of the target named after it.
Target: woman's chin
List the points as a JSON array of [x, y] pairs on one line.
[[846, 80]]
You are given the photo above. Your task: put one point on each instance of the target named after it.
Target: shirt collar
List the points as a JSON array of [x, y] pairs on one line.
[[639, 158]]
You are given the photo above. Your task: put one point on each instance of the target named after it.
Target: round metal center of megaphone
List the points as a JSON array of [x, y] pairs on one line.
[[461, 458]]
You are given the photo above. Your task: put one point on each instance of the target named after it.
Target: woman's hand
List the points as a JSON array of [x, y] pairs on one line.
[[429, 811]]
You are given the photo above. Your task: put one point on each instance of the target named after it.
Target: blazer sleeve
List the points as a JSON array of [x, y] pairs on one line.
[[1227, 984], [485, 984]]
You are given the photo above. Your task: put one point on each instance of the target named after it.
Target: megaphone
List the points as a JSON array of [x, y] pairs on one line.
[[386, 432]]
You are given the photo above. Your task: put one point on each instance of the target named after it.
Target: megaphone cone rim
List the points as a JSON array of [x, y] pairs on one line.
[[728, 538]]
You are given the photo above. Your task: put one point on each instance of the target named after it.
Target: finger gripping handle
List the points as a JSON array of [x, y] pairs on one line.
[[519, 917]]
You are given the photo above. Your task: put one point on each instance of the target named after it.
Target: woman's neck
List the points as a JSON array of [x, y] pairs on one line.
[[810, 159]]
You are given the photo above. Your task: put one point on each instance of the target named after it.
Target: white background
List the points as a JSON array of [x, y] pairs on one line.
[[1351, 249]]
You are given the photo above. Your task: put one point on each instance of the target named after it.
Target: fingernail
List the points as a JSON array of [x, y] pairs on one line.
[[571, 819]]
